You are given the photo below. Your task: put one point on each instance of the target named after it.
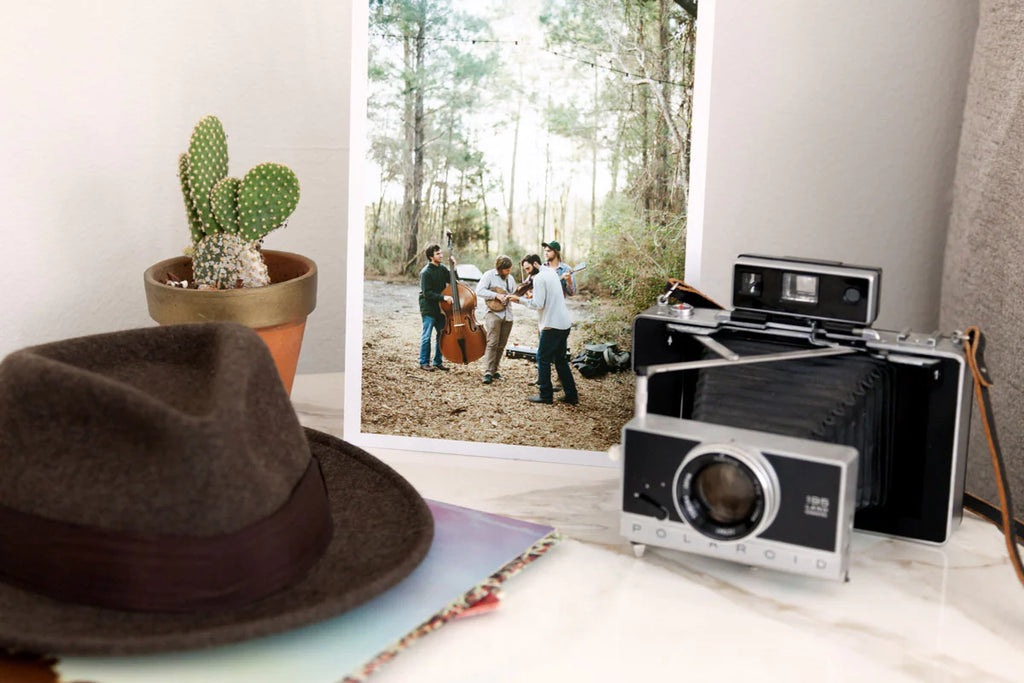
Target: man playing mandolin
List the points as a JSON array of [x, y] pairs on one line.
[[494, 288], [433, 280]]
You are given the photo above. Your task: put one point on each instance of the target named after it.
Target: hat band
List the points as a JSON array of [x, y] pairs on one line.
[[146, 572]]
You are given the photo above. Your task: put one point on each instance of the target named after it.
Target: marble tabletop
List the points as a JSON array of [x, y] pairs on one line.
[[592, 611]]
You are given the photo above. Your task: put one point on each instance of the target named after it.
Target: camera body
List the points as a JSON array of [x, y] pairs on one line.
[[736, 411], [792, 510]]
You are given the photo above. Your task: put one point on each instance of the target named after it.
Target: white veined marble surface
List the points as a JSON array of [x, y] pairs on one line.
[[591, 611]]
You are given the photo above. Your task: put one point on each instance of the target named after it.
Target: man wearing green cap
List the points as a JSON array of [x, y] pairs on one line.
[[553, 256]]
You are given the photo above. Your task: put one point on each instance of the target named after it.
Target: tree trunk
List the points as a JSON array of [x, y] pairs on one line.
[[593, 160], [409, 246], [663, 178], [487, 219], [686, 108], [413, 199], [515, 152], [444, 180], [543, 222], [618, 144], [645, 137]]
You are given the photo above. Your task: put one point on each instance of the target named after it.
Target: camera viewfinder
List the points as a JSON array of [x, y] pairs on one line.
[[800, 287], [784, 289], [751, 283]]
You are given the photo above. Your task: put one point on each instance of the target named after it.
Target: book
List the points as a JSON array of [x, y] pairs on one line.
[[472, 555]]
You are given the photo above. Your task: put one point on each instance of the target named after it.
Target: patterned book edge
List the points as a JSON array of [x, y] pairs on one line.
[[487, 589]]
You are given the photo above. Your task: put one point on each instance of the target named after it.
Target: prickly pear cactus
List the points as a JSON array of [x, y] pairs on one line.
[[228, 217], [195, 226], [207, 165], [224, 202], [268, 194], [226, 261]]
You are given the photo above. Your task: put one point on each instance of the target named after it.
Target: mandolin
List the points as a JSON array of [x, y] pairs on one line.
[[494, 304]]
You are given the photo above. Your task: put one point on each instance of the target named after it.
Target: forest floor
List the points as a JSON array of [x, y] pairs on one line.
[[398, 398]]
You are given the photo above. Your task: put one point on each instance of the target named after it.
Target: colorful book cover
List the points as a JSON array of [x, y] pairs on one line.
[[472, 554]]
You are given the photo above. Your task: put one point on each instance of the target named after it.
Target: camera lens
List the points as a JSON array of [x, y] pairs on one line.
[[726, 491]]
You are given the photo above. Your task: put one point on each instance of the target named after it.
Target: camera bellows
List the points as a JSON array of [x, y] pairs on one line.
[[845, 400]]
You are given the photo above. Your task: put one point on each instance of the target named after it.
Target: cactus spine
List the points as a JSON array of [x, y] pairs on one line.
[[228, 217]]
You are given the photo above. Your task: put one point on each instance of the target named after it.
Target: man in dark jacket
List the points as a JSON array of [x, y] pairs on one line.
[[433, 279]]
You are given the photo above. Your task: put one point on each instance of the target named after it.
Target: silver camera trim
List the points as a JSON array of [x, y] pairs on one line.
[[755, 461]]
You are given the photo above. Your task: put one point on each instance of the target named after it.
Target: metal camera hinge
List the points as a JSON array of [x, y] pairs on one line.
[[728, 357]]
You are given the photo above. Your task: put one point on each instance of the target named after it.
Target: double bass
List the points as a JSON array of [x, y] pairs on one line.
[[462, 339]]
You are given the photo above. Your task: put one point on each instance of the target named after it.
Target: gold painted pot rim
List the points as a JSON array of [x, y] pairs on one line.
[[290, 297]]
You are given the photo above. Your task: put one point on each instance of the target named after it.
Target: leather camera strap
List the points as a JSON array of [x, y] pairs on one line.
[[680, 291], [1002, 515]]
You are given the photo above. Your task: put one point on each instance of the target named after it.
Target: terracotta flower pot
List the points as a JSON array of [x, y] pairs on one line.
[[276, 312]]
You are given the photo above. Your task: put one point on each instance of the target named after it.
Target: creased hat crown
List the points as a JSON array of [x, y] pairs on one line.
[[176, 430]]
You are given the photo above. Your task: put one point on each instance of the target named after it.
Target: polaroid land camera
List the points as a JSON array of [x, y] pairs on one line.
[[765, 435]]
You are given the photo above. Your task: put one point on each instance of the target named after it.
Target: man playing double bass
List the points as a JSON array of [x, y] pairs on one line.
[[434, 277], [494, 288]]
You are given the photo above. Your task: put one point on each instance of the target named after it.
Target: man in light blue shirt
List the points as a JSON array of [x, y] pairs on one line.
[[554, 325], [494, 288]]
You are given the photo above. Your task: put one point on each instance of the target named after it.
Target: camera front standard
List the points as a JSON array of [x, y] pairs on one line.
[[759, 499]]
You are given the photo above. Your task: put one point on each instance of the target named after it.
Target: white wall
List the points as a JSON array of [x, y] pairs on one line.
[[99, 100], [829, 129]]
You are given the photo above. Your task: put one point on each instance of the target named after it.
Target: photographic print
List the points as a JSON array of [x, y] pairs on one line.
[[523, 183]]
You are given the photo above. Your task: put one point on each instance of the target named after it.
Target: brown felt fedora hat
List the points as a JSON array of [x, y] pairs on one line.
[[157, 492]]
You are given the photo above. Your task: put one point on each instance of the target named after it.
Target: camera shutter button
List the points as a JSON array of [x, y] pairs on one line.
[[683, 310]]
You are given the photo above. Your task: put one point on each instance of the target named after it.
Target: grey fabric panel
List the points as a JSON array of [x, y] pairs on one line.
[[983, 275]]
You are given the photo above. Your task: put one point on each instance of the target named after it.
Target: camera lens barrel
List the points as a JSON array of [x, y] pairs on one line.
[[725, 492]]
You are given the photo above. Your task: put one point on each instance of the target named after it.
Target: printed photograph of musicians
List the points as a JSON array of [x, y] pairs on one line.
[[494, 288], [553, 257], [549, 301], [434, 277]]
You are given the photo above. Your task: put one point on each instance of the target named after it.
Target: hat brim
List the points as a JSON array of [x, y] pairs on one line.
[[382, 530]]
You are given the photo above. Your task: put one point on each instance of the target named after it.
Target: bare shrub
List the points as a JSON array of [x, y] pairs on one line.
[[634, 257]]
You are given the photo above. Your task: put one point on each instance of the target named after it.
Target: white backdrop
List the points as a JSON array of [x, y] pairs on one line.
[[99, 100], [829, 129]]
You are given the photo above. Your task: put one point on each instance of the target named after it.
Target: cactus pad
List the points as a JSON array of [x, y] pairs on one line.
[[224, 203], [222, 260], [195, 226], [207, 165], [268, 194]]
